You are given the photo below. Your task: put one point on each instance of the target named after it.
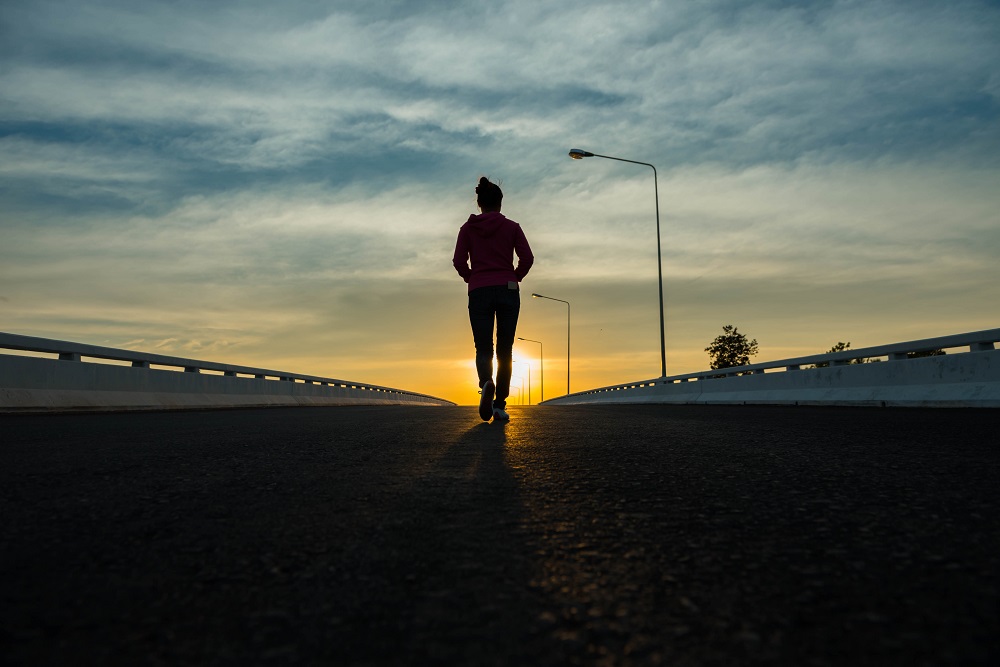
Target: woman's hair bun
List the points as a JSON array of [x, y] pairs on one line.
[[489, 194]]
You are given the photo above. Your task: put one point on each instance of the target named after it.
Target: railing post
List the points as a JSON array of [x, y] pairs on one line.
[[140, 364], [69, 356], [981, 347]]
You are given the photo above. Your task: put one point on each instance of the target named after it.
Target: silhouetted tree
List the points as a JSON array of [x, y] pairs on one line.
[[929, 353], [840, 347], [731, 348]]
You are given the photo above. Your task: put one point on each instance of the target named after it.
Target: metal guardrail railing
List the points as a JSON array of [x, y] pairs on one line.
[[976, 341], [69, 351]]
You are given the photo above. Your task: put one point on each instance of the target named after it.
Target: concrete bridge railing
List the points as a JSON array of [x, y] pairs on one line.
[[76, 376], [967, 375]]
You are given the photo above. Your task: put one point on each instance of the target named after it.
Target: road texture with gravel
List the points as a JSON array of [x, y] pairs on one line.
[[627, 535]]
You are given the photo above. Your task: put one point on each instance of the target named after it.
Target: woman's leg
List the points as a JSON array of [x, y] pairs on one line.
[[508, 308], [481, 316]]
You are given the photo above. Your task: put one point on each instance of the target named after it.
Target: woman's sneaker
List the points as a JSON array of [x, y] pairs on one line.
[[500, 416], [486, 401]]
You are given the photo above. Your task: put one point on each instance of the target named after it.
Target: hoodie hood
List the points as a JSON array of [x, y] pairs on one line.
[[486, 224]]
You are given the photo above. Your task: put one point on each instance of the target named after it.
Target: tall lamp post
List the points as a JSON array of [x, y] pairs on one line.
[[578, 154], [541, 363], [542, 296]]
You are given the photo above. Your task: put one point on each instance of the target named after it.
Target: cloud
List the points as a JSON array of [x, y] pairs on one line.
[[261, 182], [759, 83]]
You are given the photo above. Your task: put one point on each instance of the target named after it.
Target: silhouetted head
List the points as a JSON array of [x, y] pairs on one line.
[[488, 195]]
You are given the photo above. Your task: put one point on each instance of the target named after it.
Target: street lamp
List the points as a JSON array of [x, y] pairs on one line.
[[520, 390], [541, 363], [542, 296], [578, 154], [528, 364]]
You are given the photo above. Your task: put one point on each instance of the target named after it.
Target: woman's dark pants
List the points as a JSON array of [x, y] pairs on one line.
[[502, 304]]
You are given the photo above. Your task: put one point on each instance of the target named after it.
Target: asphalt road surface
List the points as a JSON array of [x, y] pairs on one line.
[[628, 535]]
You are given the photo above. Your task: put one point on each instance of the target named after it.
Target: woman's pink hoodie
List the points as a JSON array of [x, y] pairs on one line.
[[490, 241]]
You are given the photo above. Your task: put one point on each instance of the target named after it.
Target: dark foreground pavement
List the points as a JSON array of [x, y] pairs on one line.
[[679, 535]]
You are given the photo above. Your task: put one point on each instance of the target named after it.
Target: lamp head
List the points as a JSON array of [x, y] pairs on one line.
[[578, 154], [535, 296]]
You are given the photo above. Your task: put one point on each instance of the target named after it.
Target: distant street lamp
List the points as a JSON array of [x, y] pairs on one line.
[[528, 364], [529, 381], [542, 296], [520, 390], [578, 154], [541, 363]]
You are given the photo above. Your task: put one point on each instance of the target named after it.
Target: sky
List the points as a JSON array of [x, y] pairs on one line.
[[280, 185]]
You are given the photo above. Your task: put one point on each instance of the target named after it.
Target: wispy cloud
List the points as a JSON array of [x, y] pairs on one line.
[[267, 181]]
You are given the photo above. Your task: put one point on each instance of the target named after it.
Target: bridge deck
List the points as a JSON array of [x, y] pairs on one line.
[[578, 535]]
